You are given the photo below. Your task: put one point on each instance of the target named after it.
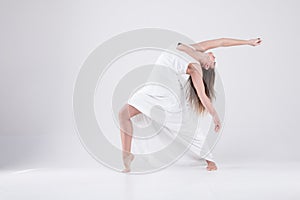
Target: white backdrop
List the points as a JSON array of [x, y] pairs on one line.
[[44, 44]]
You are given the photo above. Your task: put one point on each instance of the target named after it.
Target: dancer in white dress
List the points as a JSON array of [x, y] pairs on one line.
[[198, 70]]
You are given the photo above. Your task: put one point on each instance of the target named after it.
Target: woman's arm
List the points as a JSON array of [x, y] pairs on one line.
[[224, 42], [200, 88], [201, 57]]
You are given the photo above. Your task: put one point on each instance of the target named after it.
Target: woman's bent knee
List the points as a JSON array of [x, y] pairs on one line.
[[128, 111], [123, 112], [132, 111]]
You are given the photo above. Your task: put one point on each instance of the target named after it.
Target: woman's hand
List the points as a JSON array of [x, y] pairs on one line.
[[217, 122], [254, 42]]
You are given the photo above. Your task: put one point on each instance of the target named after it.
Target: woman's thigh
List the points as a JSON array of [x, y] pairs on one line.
[[132, 110], [128, 111]]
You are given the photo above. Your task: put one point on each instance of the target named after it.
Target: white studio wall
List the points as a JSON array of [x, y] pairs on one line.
[[44, 44]]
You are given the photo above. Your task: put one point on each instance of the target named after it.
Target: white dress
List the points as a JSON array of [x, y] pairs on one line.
[[162, 101]]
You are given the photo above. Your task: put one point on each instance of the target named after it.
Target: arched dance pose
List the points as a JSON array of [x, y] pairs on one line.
[[200, 92]]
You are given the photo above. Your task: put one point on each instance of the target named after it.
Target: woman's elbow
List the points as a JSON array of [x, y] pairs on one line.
[[222, 42]]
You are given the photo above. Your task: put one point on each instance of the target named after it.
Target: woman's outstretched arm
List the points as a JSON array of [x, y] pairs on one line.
[[224, 42]]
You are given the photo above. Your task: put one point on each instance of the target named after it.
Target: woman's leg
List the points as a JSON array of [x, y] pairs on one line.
[[211, 164], [126, 112]]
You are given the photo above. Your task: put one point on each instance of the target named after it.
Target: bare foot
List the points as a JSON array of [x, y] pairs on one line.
[[127, 159], [211, 166], [126, 170]]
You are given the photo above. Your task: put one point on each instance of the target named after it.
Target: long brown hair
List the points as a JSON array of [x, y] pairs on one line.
[[192, 96]]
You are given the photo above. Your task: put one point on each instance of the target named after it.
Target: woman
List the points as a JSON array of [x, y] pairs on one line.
[[200, 70]]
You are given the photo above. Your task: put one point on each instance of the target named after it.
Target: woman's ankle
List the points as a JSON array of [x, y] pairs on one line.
[[126, 153]]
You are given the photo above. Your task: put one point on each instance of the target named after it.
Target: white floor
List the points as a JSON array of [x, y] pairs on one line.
[[231, 181]]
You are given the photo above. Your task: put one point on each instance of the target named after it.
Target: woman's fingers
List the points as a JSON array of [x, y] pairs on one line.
[[255, 42], [258, 41], [217, 127]]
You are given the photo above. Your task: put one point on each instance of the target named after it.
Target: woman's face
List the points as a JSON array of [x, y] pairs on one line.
[[213, 58]]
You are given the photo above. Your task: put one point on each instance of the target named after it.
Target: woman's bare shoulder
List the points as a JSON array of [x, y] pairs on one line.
[[194, 68]]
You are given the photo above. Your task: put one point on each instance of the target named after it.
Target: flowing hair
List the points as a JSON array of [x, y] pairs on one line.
[[192, 96]]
